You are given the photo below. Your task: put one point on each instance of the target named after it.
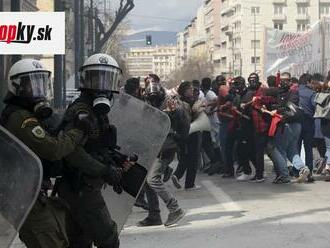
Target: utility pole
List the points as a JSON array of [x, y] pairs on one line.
[[255, 37], [77, 40], [59, 71], [2, 70], [15, 6], [82, 31]]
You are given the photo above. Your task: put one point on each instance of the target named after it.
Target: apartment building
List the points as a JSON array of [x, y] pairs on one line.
[[160, 60], [243, 23]]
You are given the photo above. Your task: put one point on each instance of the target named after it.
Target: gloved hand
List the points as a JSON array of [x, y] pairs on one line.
[[113, 178], [84, 122]]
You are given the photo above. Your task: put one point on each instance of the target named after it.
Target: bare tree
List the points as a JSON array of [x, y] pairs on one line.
[[193, 68], [125, 6]]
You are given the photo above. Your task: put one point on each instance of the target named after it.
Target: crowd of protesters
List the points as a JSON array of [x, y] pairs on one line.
[[252, 118]]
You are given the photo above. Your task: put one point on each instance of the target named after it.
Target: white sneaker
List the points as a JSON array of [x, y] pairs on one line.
[[303, 174], [196, 187], [244, 178]]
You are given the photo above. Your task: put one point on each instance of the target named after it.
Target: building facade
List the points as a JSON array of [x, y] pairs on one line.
[[235, 29], [160, 60], [243, 26]]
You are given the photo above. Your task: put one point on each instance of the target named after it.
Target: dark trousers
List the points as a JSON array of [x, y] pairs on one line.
[[319, 143], [260, 144], [45, 226], [229, 152], [189, 158], [307, 136], [246, 150], [89, 220], [243, 140]]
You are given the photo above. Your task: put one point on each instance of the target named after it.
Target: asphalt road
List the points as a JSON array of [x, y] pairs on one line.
[[225, 213]]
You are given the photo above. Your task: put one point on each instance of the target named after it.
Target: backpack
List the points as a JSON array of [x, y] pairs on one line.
[[322, 109]]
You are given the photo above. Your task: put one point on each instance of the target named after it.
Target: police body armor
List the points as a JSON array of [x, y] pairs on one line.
[[101, 138]]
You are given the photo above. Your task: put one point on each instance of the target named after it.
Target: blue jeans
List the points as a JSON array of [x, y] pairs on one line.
[[286, 139], [263, 144], [307, 135]]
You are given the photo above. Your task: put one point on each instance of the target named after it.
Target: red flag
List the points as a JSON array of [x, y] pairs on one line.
[[273, 126], [278, 78]]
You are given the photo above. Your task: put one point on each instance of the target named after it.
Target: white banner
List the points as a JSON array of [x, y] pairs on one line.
[[32, 33], [296, 53]]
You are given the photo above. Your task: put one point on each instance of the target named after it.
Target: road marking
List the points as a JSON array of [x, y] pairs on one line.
[[224, 199]]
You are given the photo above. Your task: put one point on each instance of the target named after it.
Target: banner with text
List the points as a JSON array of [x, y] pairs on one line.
[[296, 53]]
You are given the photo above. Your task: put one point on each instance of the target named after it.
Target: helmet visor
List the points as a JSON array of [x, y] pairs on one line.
[[101, 78], [33, 85]]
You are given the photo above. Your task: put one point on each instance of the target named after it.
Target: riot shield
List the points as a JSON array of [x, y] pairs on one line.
[[141, 130], [20, 182]]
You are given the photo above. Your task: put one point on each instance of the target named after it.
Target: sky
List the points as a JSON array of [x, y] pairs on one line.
[[162, 15]]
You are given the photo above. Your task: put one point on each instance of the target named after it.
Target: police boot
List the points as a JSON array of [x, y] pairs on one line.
[[153, 219]]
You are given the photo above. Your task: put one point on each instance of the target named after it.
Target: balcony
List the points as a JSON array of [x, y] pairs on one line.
[[302, 17], [279, 1], [303, 1], [224, 28], [227, 11], [229, 33], [279, 17]]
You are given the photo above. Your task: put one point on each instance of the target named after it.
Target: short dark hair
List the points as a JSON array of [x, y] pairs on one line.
[[305, 78], [288, 74], [294, 80], [196, 83], [183, 87], [318, 77], [221, 79], [271, 81], [131, 85], [206, 83]]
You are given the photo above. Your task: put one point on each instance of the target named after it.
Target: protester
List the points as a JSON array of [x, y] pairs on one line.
[[189, 157], [306, 102]]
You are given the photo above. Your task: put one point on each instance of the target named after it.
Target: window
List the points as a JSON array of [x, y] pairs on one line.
[[255, 43], [278, 25], [302, 10], [255, 60], [237, 56], [302, 26], [237, 25], [237, 42], [278, 9], [238, 8], [255, 10], [224, 61], [325, 9]]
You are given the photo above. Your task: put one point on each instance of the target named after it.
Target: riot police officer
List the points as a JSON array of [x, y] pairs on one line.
[[26, 108], [90, 220]]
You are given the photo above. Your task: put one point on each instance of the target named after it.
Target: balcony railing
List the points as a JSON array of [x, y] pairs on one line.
[[302, 17], [279, 17]]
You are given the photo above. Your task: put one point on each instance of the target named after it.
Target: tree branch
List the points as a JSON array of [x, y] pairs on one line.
[[125, 7]]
